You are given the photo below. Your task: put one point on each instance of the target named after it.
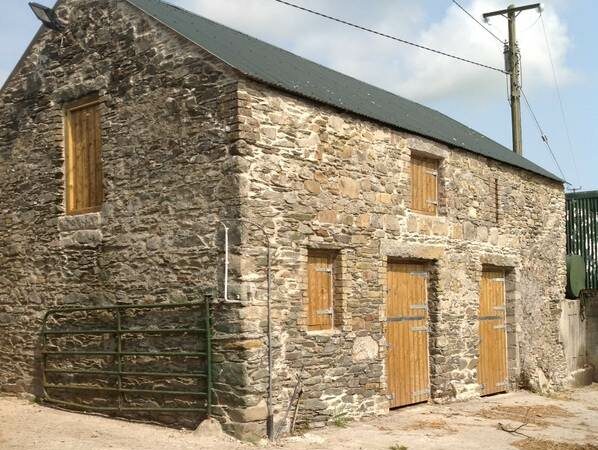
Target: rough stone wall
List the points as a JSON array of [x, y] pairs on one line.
[[168, 142], [184, 146], [318, 178]]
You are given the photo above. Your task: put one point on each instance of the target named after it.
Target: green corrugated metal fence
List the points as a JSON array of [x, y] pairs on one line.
[[582, 231]]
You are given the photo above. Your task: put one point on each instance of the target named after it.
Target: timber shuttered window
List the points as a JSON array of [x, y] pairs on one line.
[[424, 185], [322, 279], [83, 157]]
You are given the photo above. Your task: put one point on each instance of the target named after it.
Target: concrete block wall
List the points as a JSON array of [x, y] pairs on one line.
[[591, 332]]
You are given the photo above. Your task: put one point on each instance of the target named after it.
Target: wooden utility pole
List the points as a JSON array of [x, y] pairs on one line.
[[513, 67]]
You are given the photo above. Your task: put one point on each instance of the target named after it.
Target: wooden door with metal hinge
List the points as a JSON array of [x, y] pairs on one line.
[[492, 364], [407, 331]]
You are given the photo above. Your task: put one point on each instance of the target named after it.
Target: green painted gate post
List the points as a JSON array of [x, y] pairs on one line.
[[208, 354]]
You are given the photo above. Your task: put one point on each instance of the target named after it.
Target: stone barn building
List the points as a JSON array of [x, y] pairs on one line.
[[413, 259]]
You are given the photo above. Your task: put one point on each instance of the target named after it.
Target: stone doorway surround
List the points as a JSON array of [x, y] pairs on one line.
[[434, 255], [397, 252], [508, 265]]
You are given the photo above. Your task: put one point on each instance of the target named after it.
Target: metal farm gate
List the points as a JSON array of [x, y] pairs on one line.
[[142, 361], [582, 231]]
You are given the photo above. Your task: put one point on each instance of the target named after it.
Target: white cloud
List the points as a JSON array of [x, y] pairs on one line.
[[407, 71], [314, 37], [434, 77]]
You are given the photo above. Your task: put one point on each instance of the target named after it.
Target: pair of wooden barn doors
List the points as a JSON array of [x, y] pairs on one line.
[[408, 328]]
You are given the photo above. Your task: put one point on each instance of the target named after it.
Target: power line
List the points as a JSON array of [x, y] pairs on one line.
[[558, 92], [462, 8], [543, 135], [478, 22], [388, 36], [422, 47], [533, 24]]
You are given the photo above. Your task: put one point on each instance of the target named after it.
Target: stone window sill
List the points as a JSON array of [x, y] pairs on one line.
[[82, 230], [87, 221], [440, 216], [330, 332]]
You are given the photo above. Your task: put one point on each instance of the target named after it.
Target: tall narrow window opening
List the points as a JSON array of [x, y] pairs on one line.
[[83, 157]]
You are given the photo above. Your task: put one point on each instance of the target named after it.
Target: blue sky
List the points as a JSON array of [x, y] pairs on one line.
[[474, 96]]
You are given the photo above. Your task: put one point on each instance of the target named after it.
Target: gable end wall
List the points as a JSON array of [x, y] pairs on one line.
[[169, 139]]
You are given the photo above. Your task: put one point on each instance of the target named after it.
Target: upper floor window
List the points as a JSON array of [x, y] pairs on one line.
[[424, 185], [83, 157]]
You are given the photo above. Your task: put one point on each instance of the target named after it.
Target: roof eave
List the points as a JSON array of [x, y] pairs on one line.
[[451, 145]]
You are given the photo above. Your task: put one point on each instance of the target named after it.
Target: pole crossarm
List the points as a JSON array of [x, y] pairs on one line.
[[513, 69], [512, 8]]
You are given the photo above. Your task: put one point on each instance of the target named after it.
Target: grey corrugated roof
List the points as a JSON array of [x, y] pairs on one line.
[[293, 73]]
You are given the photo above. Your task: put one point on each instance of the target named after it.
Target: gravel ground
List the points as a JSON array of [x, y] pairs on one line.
[[567, 422]]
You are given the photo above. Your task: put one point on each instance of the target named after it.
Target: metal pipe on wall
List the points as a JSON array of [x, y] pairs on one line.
[[270, 417], [225, 260]]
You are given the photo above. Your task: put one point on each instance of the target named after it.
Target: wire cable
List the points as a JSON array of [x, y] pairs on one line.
[[388, 36], [558, 93], [543, 136], [531, 26], [478, 22], [422, 47]]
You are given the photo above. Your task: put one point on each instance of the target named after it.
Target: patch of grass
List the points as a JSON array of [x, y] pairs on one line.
[[397, 447], [340, 419]]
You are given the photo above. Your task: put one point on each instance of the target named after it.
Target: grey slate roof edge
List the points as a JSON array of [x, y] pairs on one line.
[[19, 63], [486, 147], [451, 146]]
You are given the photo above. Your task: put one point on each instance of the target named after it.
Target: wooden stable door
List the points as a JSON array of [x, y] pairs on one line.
[[492, 365], [407, 334]]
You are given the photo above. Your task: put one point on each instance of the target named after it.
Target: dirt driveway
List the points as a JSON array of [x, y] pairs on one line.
[[567, 423]]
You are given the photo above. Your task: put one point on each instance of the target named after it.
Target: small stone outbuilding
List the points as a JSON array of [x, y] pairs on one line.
[[413, 259]]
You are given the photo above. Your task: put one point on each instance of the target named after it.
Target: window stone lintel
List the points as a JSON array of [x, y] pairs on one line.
[[426, 149], [394, 249]]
